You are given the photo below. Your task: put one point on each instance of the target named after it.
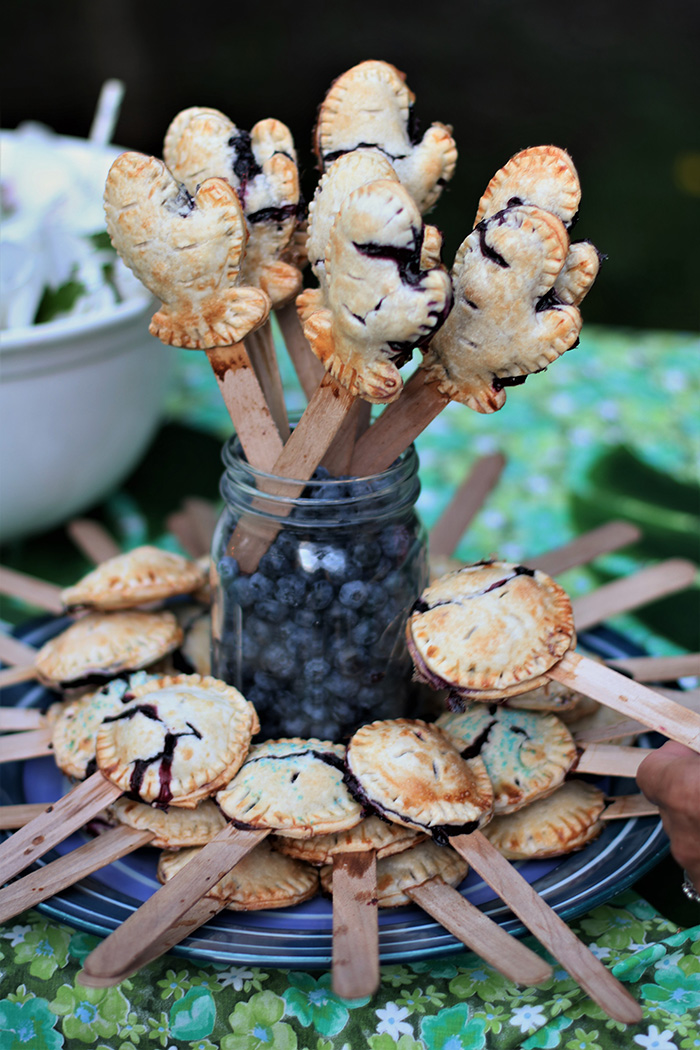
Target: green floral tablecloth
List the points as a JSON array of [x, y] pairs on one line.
[[454, 1003], [612, 430]]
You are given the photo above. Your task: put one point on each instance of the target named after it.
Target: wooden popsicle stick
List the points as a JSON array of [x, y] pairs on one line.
[[57, 821], [398, 426], [17, 816], [193, 526], [163, 918], [246, 404], [31, 590], [658, 668], [548, 927], [337, 458], [615, 731], [307, 366], [16, 719], [15, 675], [585, 548], [33, 743], [631, 592], [477, 931], [182, 527], [466, 502], [93, 540], [200, 913], [355, 957], [612, 760], [631, 699], [263, 356], [301, 455], [65, 871], [627, 806], [15, 652]]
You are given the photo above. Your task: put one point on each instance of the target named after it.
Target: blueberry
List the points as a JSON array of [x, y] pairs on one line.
[[307, 618], [341, 685], [365, 632], [227, 569], [320, 594], [396, 541], [264, 680], [258, 630], [271, 610], [262, 586], [348, 659], [377, 597], [249, 649], [336, 564], [353, 594], [395, 582], [316, 669], [342, 617], [242, 592], [366, 553], [362, 487], [279, 661], [291, 590], [274, 562]]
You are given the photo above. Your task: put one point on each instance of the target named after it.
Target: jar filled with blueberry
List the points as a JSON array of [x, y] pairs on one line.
[[312, 586]]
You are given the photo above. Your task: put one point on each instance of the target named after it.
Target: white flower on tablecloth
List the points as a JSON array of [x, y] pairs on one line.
[[392, 1021], [528, 1018], [599, 950], [656, 1040], [16, 935], [234, 977]]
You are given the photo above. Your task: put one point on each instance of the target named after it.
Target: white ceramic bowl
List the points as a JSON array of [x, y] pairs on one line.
[[80, 399]]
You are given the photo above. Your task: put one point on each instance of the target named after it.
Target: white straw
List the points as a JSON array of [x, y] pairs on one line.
[[107, 112]]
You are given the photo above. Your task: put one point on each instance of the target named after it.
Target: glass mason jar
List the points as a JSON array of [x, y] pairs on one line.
[[310, 595]]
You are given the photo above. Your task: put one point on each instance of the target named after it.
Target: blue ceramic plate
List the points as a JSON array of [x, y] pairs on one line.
[[302, 936]]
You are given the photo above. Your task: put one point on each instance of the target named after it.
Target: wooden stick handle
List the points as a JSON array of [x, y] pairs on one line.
[[15, 675], [65, 871], [307, 366], [261, 351], [246, 404], [30, 744], [612, 760], [586, 547], [165, 913], [14, 719], [17, 816], [659, 668], [687, 698], [93, 540], [631, 699], [627, 806], [31, 590], [464, 505], [399, 424], [464, 921], [355, 925], [54, 824], [15, 652], [301, 455], [548, 927], [631, 592]]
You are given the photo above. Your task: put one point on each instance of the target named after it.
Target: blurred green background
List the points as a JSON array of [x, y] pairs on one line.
[[614, 83]]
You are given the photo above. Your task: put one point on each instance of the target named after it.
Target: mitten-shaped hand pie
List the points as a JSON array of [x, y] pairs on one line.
[[546, 176], [185, 248], [371, 106], [380, 303], [203, 143], [502, 326]]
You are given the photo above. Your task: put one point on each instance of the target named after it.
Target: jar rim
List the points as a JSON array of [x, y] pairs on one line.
[[253, 490]]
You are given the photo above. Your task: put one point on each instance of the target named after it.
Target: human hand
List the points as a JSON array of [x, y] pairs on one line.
[[670, 778]]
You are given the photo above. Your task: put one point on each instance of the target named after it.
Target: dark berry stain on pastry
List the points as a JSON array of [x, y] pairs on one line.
[[245, 166], [165, 757], [182, 203], [272, 214], [486, 249]]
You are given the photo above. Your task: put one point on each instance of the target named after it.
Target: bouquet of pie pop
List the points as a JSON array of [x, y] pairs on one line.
[[219, 233]]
